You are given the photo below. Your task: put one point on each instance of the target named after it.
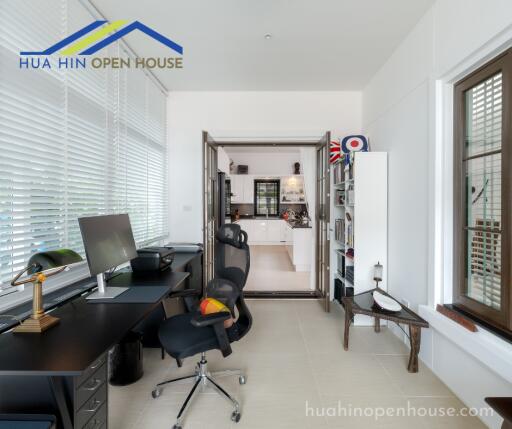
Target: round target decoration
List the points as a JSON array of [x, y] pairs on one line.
[[355, 143]]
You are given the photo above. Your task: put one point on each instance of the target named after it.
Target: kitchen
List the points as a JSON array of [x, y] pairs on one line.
[[270, 192]]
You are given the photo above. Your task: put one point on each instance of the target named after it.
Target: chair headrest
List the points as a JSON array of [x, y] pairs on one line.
[[230, 234]]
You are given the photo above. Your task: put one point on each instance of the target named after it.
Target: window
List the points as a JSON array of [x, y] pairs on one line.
[[266, 197], [73, 142], [482, 207]]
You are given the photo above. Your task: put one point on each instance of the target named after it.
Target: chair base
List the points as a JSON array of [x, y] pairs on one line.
[[204, 378]]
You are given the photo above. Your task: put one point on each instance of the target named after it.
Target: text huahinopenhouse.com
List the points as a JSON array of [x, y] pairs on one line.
[[344, 409]]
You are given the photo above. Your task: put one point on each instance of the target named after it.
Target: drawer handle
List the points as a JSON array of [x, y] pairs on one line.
[[95, 406], [96, 364], [95, 424], [93, 386]]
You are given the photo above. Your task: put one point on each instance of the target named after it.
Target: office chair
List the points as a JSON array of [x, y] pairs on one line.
[[191, 333]]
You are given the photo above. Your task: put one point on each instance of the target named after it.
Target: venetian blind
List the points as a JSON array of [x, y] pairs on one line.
[[73, 142], [483, 190]]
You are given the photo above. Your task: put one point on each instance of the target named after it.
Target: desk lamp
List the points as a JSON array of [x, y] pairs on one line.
[[41, 266]]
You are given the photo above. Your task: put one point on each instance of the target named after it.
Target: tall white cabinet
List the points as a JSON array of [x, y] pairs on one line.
[[359, 217]]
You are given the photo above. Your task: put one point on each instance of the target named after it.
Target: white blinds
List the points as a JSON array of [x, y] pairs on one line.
[[483, 142], [72, 142]]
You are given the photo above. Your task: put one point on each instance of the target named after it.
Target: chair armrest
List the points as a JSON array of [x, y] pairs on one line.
[[216, 321], [185, 293], [200, 321]]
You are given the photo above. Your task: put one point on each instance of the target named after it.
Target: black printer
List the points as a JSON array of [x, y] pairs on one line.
[[153, 259]]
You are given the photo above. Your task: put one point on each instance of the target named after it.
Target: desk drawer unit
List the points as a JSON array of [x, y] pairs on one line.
[[91, 408], [90, 396], [91, 386]]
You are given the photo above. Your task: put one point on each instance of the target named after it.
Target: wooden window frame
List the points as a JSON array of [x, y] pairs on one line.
[[500, 319]]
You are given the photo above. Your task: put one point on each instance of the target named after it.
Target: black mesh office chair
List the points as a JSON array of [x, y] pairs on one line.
[[191, 333]]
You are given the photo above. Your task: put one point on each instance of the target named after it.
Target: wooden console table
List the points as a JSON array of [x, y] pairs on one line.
[[363, 303]]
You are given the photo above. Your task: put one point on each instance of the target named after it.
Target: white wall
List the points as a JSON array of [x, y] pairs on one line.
[[276, 164], [406, 112], [241, 114]]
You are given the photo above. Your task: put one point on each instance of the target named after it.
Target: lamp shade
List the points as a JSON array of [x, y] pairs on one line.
[[377, 272], [52, 259]]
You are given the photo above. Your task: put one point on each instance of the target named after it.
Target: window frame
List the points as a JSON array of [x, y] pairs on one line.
[[502, 318], [278, 206]]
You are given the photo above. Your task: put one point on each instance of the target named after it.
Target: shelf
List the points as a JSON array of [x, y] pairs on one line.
[[339, 205], [347, 283]]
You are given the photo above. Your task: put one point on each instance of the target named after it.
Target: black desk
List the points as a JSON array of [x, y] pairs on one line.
[[55, 365]]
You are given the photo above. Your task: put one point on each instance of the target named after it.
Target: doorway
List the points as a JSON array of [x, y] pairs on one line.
[[282, 205]]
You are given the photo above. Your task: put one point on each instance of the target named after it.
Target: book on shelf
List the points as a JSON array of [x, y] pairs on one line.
[[339, 230], [338, 173], [340, 197]]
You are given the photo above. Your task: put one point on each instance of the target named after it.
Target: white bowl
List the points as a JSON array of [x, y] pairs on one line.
[[385, 302]]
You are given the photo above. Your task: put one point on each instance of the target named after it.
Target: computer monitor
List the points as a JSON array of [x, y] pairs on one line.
[[108, 242]]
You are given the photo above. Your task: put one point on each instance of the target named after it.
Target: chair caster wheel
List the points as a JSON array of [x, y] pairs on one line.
[[156, 393], [176, 427], [236, 416], [242, 379]]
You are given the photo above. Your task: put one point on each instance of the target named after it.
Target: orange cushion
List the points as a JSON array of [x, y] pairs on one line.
[[212, 305]]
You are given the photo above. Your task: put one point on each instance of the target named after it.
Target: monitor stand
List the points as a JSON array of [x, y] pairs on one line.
[[104, 292]]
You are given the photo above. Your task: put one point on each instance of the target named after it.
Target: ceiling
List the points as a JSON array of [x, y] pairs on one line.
[[315, 44]]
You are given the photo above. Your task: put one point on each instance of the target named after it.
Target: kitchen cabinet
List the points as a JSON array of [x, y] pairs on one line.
[[264, 231], [237, 189], [247, 226], [274, 230], [299, 242], [242, 188]]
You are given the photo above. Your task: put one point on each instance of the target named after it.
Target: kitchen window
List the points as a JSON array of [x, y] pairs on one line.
[[266, 197], [482, 192]]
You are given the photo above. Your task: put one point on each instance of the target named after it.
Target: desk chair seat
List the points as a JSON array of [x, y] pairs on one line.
[[189, 334], [191, 341]]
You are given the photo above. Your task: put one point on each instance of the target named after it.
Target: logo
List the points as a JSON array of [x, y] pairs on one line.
[[356, 143], [75, 49]]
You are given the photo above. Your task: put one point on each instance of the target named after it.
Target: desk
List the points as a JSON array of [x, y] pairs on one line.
[[56, 365]]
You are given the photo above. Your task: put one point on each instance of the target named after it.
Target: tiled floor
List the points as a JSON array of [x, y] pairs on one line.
[[272, 270], [294, 359]]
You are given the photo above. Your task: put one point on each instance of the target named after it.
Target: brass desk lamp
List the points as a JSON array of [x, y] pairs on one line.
[[41, 266]]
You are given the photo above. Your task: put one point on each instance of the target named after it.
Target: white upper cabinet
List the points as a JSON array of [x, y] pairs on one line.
[[237, 189], [242, 188], [248, 182]]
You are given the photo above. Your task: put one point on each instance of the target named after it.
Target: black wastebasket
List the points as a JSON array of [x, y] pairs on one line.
[[126, 360]]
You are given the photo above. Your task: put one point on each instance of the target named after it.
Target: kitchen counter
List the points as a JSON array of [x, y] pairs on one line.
[[259, 217], [292, 224], [296, 225]]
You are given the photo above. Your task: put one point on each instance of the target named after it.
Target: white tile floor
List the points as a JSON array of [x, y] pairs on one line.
[[293, 357], [272, 270]]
